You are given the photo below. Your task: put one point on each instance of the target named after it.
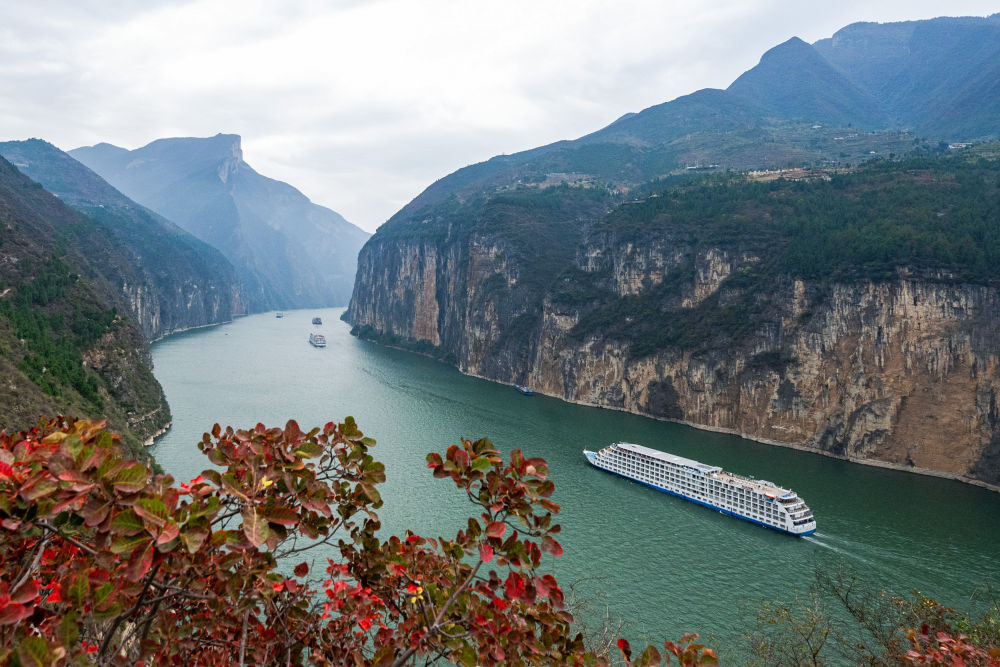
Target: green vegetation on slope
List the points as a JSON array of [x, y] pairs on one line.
[[64, 344], [55, 329], [925, 217]]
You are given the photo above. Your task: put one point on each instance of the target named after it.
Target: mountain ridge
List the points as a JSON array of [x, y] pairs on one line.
[[763, 121], [170, 280], [288, 251], [65, 345]]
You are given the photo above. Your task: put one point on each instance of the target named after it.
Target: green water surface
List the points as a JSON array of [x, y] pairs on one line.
[[662, 564]]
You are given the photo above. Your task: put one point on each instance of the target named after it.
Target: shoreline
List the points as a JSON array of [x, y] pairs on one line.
[[151, 440], [875, 463], [197, 326]]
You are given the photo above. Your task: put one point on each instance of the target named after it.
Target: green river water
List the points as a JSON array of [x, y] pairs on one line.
[[662, 564]]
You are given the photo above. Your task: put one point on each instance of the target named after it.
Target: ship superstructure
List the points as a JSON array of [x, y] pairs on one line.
[[755, 500]]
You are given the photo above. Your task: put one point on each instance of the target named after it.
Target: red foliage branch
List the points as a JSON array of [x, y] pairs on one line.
[[945, 650], [102, 560]]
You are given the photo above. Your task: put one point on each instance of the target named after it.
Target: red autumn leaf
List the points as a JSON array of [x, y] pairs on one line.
[[139, 563], [12, 613], [301, 570], [624, 647], [495, 529], [485, 552], [170, 531], [255, 526], [26, 592], [551, 546], [281, 515]]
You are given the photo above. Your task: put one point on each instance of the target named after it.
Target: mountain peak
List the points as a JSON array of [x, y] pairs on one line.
[[232, 142], [795, 81], [791, 45]]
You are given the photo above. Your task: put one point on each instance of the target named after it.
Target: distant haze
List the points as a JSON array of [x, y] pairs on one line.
[[361, 105]]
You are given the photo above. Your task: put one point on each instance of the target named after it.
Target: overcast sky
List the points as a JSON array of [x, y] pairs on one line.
[[363, 103]]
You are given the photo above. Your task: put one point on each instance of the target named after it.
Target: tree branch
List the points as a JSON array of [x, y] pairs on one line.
[[436, 626], [39, 549], [76, 543]]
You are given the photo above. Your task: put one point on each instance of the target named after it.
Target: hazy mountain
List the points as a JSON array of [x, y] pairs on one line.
[[65, 344], [169, 279], [939, 77], [288, 252]]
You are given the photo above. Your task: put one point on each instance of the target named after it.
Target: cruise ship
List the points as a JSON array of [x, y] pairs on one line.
[[752, 499], [317, 340]]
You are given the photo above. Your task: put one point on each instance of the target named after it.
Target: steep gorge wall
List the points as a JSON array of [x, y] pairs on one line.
[[161, 310], [901, 372]]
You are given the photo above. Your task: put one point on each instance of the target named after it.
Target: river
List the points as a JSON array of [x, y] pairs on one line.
[[663, 565]]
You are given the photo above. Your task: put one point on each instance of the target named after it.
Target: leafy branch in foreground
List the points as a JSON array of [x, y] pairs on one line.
[[103, 561], [843, 620]]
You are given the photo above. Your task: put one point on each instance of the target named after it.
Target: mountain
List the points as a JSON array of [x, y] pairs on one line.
[[870, 89], [853, 314], [168, 279], [841, 301], [66, 343], [938, 77], [288, 252]]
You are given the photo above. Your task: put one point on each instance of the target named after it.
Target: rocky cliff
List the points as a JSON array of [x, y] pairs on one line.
[[702, 315]]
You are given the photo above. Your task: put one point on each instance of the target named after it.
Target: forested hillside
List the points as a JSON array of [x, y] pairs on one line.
[[169, 280], [67, 344]]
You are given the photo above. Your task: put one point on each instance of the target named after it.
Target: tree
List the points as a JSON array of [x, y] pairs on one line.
[[104, 561], [845, 620]]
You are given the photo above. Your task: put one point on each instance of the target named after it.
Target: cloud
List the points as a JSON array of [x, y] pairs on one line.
[[363, 104]]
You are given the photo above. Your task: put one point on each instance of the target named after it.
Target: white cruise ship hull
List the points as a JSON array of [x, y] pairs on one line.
[[752, 500]]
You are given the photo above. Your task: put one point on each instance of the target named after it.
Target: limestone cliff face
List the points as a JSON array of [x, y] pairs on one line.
[[901, 372], [187, 303]]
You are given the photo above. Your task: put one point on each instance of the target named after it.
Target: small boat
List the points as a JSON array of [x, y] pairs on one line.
[[317, 340], [524, 389], [279, 314], [317, 320]]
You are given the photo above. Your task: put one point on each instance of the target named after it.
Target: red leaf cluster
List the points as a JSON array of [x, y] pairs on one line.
[[101, 560]]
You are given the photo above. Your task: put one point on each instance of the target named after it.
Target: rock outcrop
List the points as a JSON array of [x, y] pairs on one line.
[[899, 371]]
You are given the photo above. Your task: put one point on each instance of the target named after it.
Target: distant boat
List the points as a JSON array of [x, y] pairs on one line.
[[317, 340], [317, 320], [279, 314], [524, 389]]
